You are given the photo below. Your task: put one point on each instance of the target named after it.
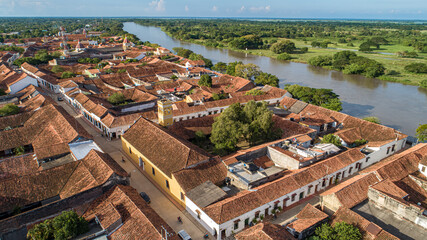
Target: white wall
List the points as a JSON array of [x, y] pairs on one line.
[[23, 83]]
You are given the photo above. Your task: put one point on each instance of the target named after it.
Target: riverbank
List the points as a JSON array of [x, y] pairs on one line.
[[385, 55]]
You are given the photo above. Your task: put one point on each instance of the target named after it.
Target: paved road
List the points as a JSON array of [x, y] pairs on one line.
[[159, 202]]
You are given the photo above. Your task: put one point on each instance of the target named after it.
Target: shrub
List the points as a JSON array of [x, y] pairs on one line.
[[423, 84], [57, 69], [284, 56], [19, 150], [9, 109], [372, 119], [116, 98], [320, 61], [331, 138], [205, 80], [416, 68], [67, 75], [283, 47]]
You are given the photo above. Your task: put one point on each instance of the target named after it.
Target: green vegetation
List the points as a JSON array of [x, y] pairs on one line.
[[283, 47], [67, 74], [316, 96], [416, 68], [219, 96], [205, 80], [340, 231], [312, 38], [421, 133], [284, 56], [9, 109], [2, 92], [254, 92], [65, 226], [19, 150], [116, 98], [372, 119], [57, 69], [423, 84], [267, 79], [186, 53], [220, 67], [350, 63], [331, 138], [251, 123], [89, 60], [359, 142], [12, 49], [41, 57]]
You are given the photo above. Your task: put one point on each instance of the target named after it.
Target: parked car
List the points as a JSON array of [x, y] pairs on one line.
[[184, 235], [145, 197], [60, 99]]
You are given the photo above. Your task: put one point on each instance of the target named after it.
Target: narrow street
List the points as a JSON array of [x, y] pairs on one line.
[[159, 202]]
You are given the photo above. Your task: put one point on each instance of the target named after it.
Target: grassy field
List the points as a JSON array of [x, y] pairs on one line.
[[390, 61]]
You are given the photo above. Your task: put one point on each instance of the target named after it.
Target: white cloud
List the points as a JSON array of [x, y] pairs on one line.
[[158, 5], [260, 9], [242, 9], [186, 8], [214, 8]]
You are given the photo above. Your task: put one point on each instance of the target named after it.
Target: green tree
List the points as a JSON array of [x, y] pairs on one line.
[[416, 68], [67, 74], [345, 231], [320, 61], [331, 138], [218, 96], [255, 92], [9, 109], [317, 96], [365, 47], [283, 47], [69, 225], [423, 84], [183, 52], [116, 98], [220, 67], [325, 232], [421, 133], [2, 92], [205, 80], [57, 69], [19, 150], [41, 231], [284, 56], [372, 119], [231, 68], [267, 79], [248, 71], [251, 122]]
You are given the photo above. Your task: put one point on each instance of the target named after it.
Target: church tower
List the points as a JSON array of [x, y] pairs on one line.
[[125, 43], [165, 112]]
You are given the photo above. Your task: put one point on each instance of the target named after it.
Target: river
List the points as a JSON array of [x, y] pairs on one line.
[[402, 107]]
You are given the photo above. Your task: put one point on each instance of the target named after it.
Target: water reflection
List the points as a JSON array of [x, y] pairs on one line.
[[397, 105]]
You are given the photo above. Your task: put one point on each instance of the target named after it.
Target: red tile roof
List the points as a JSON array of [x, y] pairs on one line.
[[368, 229], [308, 217], [266, 231], [353, 191], [139, 220], [184, 153]]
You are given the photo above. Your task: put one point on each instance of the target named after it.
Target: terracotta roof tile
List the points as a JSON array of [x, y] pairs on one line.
[[139, 220], [266, 231], [353, 191], [308, 217], [185, 154], [368, 229]]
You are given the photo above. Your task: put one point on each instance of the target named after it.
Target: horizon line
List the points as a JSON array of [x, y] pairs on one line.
[[187, 17]]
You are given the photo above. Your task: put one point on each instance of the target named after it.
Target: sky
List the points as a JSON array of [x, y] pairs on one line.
[[353, 9]]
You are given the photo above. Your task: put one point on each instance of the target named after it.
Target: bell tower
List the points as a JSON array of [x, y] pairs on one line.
[[125, 43], [165, 113]]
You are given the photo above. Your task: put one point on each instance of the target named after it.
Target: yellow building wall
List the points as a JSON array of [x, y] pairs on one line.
[[160, 178]]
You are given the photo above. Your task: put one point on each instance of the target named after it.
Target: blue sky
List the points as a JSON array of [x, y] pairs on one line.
[[360, 9]]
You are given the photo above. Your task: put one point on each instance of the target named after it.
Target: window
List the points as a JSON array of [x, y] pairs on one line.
[[309, 189], [388, 150], [293, 197], [236, 224], [257, 214], [349, 171], [423, 169], [182, 196], [167, 184], [130, 150], [392, 147], [153, 171], [367, 159], [246, 222], [198, 214], [324, 182], [301, 195]]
